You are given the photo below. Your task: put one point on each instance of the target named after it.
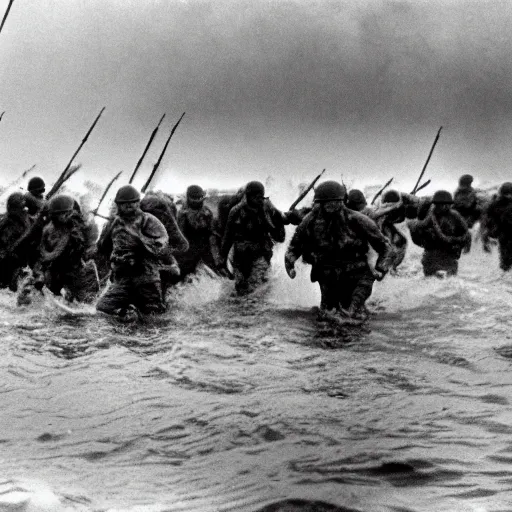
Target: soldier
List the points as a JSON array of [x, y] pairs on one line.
[[252, 228], [389, 213], [334, 240], [35, 195], [163, 208], [196, 222], [497, 223], [13, 225], [465, 201], [67, 243], [134, 241], [443, 234]]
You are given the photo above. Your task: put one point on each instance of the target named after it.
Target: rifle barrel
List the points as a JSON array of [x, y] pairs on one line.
[[377, 195], [415, 189], [62, 177], [105, 192], [305, 192], [153, 172], [6, 14], [146, 150]]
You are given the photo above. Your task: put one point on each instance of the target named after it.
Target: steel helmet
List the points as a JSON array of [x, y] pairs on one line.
[[466, 179], [329, 191], [15, 202], [506, 189], [442, 197], [254, 188], [127, 194], [391, 196], [195, 192], [36, 184], [61, 203], [356, 197]]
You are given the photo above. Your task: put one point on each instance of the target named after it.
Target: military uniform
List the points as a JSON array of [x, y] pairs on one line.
[[65, 248], [497, 223], [251, 231], [13, 225], [443, 235], [337, 248], [198, 226], [135, 244], [334, 240]]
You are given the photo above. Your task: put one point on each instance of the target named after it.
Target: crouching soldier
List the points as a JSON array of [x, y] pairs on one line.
[[67, 246], [13, 225], [253, 226], [334, 241], [134, 241], [443, 234], [196, 222]]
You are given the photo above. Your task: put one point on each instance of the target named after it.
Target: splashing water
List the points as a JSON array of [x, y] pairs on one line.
[[231, 404]]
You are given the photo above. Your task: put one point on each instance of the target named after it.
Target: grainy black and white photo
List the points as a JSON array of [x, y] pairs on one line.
[[255, 255]]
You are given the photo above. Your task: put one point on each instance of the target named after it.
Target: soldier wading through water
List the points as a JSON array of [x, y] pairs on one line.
[[334, 241], [134, 241]]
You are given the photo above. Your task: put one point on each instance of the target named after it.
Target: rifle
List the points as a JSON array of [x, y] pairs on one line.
[[145, 150], [65, 175], [105, 192], [62, 179], [6, 14], [421, 187], [305, 192], [155, 167], [378, 194], [415, 189]]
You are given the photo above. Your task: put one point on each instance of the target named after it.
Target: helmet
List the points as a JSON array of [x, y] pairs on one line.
[[391, 196], [466, 179], [15, 202], [36, 184], [61, 203], [506, 189], [253, 188], [127, 194], [356, 197], [329, 191], [195, 192], [442, 197]]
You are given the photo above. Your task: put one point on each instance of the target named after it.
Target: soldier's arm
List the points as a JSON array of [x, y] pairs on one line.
[[229, 233], [155, 238], [377, 241]]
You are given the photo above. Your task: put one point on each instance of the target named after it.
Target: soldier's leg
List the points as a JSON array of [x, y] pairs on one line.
[[329, 289], [117, 298], [505, 248], [361, 284], [258, 274], [148, 297]]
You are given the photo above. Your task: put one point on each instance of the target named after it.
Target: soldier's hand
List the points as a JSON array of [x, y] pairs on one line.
[[290, 267]]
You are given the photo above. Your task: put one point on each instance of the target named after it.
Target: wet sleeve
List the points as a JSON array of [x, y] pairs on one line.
[[377, 241], [154, 235], [105, 241], [229, 233], [296, 246], [177, 240]]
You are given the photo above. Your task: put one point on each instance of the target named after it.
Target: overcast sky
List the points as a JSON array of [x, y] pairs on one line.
[[270, 88]]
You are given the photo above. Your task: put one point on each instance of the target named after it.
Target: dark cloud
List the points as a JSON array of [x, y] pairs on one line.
[[291, 86]]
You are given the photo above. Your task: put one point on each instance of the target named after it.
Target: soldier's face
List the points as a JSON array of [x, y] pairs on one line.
[[331, 207], [256, 200], [61, 217], [442, 208], [128, 209], [195, 202]]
